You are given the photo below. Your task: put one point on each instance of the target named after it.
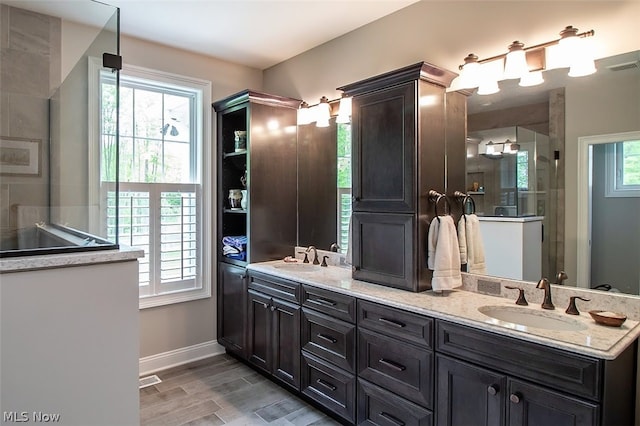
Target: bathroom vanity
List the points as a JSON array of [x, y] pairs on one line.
[[370, 354]]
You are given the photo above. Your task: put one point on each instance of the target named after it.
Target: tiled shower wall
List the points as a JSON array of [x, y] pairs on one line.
[[29, 73]]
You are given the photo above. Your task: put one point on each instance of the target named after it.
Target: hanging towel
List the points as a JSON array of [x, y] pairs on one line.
[[443, 255], [470, 244]]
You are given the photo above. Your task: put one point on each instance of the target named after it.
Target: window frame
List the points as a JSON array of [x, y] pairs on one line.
[[613, 175], [203, 180]]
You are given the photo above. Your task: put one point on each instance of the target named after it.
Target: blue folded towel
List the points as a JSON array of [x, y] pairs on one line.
[[239, 242]]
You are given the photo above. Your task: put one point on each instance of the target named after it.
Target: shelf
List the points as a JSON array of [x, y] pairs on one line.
[[235, 153], [236, 211], [236, 262], [475, 192]]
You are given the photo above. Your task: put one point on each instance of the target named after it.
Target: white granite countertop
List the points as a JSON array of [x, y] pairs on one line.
[[461, 307], [30, 263]]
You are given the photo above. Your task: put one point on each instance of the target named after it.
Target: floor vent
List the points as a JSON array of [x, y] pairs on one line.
[[149, 381]]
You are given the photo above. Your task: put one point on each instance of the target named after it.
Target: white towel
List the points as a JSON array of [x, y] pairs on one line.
[[443, 256], [470, 244]]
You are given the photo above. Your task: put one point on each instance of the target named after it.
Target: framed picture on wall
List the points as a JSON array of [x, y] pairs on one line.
[[19, 156]]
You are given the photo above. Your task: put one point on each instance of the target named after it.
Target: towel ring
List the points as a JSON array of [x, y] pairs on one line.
[[464, 200], [435, 197]]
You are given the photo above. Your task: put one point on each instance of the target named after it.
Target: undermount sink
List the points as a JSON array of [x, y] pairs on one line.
[[530, 318], [298, 267]]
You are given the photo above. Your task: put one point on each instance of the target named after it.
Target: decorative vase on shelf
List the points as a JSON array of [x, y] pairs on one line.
[[235, 199], [240, 139], [243, 202]]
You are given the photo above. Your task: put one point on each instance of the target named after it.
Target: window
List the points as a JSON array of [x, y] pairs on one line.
[[163, 174], [522, 170], [622, 169], [344, 185]]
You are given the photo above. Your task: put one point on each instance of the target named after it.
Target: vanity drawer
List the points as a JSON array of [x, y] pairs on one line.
[[275, 287], [328, 302], [413, 328], [329, 386], [399, 367], [377, 406], [330, 339], [544, 365]]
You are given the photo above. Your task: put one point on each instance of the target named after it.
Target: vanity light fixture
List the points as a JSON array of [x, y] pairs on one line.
[[323, 112], [344, 111], [526, 63], [305, 114]]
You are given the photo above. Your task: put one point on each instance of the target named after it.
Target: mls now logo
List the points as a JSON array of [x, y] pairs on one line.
[[24, 416]]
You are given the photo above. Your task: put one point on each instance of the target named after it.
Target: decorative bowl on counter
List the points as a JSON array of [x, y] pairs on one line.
[[612, 319]]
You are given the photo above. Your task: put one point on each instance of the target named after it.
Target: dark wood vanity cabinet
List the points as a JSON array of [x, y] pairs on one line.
[[402, 129], [484, 378], [232, 312], [264, 167], [372, 364], [329, 351], [273, 327], [395, 357]]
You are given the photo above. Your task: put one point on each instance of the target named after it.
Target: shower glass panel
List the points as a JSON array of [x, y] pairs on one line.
[[507, 171], [52, 195]]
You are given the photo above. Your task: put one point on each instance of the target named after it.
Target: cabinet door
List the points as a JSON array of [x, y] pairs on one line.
[[531, 405], [384, 145], [285, 341], [469, 395], [383, 249], [259, 330], [232, 296]]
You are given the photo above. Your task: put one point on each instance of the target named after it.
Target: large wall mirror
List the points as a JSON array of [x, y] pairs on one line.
[[324, 185], [546, 126]]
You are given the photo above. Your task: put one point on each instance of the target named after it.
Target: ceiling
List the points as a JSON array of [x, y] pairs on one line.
[[255, 33]]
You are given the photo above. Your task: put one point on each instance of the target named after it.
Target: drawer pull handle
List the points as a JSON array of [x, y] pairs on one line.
[[393, 323], [326, 385], [392, 365], [493, 389], [327, 338], [391, 418], [515, 398], [324, 302], [265, 305]]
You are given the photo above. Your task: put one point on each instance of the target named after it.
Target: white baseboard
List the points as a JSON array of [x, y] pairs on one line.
[[151, 364]]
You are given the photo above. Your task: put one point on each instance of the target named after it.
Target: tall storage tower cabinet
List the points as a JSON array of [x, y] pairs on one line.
[[256, 197], [408, 138]]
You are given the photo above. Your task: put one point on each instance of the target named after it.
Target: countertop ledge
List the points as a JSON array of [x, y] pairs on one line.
[[31, 263], [461, 307]]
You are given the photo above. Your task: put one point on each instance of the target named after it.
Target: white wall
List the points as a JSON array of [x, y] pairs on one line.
[[443, 33]]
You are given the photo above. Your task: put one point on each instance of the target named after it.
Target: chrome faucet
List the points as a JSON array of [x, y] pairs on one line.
[[544, 284], [315, 254]]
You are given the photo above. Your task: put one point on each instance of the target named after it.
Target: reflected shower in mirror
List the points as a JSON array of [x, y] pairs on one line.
[[563, 109]]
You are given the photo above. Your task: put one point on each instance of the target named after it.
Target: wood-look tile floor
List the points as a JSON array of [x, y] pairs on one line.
[[220, 390]]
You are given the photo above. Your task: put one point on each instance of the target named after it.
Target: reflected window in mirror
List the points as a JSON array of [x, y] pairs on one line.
[[344, 184], [623, 169]]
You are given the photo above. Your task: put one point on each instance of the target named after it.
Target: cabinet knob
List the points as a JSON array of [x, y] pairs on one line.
[[273, 308], [354, 199], [493, 389], [515, 398]]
